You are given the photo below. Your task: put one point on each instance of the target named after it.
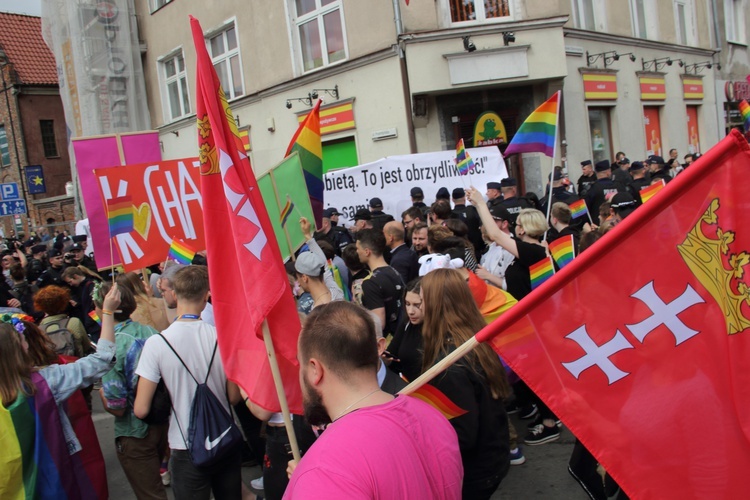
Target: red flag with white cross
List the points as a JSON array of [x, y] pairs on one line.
[[641, 345], [248, 279]]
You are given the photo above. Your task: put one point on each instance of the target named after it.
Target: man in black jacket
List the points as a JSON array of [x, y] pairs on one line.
[[603, 189], [402, 258]]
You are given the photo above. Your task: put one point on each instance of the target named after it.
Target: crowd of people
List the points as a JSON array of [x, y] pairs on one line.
[[381, 303]]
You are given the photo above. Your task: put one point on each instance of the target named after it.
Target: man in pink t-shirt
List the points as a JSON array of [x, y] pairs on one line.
[[376, 446]]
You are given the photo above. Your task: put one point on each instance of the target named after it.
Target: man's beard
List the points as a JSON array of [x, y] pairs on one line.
[[315, 412]]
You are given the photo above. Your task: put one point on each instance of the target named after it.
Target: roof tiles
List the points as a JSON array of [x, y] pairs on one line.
[[21, 39]]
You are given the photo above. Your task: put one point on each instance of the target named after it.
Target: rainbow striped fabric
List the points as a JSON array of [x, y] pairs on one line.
[[180, 252], [563, 251], [286, 211], [120, 215], [578, 208], [464, 163], [339, 280], [541, 272], [306, 142], [745, 112], [432, 396], [95, 317], [649, 192], [538, 133]]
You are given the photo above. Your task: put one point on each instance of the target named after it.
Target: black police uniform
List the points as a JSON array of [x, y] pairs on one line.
[[585, 183], [468, 214], [560, 194], [636, 185], [621, 176], [337, 237], [514, 205], [51, 276], [601, 191], [380, 219], [34, 269]]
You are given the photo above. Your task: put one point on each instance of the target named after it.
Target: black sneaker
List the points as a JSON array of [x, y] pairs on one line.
[[528, 412], [536, 420], [541, 434]]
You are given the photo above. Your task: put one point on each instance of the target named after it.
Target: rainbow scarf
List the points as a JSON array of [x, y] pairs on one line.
[[307, 143], [541, 272], [435, 398], [649, 192], [563, 251], [120, 215], [745, 112], [537, 134], [95, 317], [180, 252], [464, 163], [578, 208]]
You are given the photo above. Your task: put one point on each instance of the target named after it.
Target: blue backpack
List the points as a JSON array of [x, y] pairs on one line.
[[212, 433]]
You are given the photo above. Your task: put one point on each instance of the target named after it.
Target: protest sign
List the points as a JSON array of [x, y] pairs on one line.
[[392, 178]]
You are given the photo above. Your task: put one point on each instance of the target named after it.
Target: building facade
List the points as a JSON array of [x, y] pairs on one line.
[[637, 76]]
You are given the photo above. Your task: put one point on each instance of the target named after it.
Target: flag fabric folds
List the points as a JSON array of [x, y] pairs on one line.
[[120, 215], [435, 398], [249, 283], [539, 132], [286, 211], [649, 192], [181, 252], [541, 272], [306, 141], [652, 377], [578, 208], [562, 251], [464, 163]]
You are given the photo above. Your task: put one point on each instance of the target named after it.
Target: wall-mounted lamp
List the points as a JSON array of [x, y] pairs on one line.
[[468, 44], [508, 37], [607, 57], [176, 133], [334, 92], [698, 67], [657, 64], [304, 100]]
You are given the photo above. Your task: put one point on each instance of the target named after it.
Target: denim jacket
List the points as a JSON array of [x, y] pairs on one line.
[[64, 380]]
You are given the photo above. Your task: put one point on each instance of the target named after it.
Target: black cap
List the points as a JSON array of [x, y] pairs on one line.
[[376, 203], [76, 248], [624, 161], [362, 214], [655, 159], [39, 248], [330, 212], [55, 252], [508, 182], [417, 191], [636, 165], [79, 238], [458, 193], [557, 176], [585, 162], [443, 194], [494, 185], [30, 242], [623, 203], [602, 166], [498, 212]]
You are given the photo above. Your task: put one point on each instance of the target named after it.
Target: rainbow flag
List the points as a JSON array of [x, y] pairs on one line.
[[563, 251], [286, 211], [745, 112], [578, 208], [95, 317], [180, 252], [649, 192], [306, 142], [539, 132], [339, 280], [432, 396], [464, 163], [120, 215], [541, 272]]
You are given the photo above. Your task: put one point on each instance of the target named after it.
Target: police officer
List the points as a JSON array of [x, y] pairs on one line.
[[639, 180], [379, 218], [621, 172], [53, 274], [417, 199], [81, 259], [587, 179], [469, 215], [494, 195], [603, 189], [511, 202], [338, 237], [560, 194], [658, 169], [36, 265]]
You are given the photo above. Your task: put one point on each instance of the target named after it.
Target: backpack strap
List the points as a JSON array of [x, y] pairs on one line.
[[184, 440], [181, 361]]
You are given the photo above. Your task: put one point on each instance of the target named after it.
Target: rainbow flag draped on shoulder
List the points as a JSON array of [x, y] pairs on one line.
[[538, 133], [306, 141]]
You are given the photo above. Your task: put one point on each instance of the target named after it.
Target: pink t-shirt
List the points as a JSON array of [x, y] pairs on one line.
[[401, 449]]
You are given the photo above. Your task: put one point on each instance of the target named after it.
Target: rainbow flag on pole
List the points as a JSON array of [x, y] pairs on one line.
[[745, 112], [180, 252], [432, 396], [649, 192], [563, 251], [120, 215], [306, 142], [464, 163], [541, 272], [578, 208], [538, 133], [286, 211]]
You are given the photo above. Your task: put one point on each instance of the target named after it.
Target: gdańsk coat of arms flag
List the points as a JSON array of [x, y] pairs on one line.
[[641, 345]]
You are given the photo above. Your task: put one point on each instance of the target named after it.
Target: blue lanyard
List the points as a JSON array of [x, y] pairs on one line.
[[188, 316]]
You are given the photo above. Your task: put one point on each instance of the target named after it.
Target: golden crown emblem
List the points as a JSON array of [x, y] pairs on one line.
[[706, 253]]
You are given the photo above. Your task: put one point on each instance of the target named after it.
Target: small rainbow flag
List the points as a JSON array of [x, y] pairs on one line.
[[745, 112], [433, 397], [538, 133], [563, 251], [307, 142], [120, 215], [578, 208], [286, 211], [649, 192], [464, 163], [541, 272], [180, 252], [95, 317]]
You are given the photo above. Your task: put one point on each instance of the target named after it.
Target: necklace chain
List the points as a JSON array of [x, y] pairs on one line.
[[354, 403]]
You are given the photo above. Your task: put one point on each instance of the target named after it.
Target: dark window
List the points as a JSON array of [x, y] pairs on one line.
[[4, 151], [48, 138]]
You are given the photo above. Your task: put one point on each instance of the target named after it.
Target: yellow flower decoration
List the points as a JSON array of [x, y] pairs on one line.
[[738, 262], [204, 127], [710, 215], [725, 239]]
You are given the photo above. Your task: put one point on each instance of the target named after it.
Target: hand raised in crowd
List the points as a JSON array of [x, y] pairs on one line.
[[112, 300], [474, 196], [306, 227]]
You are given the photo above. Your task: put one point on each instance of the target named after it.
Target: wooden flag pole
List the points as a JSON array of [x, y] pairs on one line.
[[280, 390], [443, 365]]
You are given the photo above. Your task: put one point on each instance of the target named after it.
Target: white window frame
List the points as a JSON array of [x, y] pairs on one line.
[[228, 54], [691, 38], [317, 13], [651, 17], [598, 8], [734, 19], [7, 147], [165, 80], [481, 15], [157, 4]]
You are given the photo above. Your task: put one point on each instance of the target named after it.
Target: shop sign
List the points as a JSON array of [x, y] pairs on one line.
[[737, 91], [653, 88], [599, 86], [489, 130]]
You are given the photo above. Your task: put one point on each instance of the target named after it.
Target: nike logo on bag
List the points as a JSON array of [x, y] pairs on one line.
[[212, 444]]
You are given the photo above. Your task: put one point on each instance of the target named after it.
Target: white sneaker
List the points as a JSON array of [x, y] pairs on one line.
[[257, 484]]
